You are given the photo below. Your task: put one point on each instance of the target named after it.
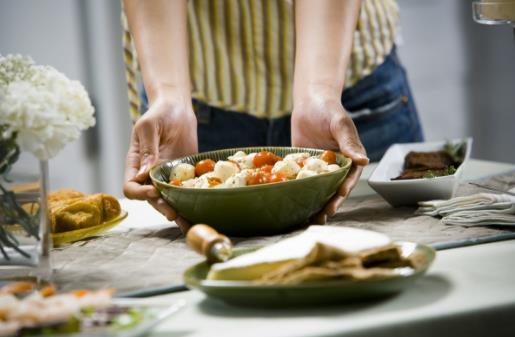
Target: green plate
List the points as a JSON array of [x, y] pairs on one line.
[[313, 293], [251, 210]]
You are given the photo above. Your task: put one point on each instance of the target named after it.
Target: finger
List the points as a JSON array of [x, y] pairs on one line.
[[348, 140], [319, 219], [162, 207], [350, 181], [183, 224], [333, 205], [134, 186], [132, 161], [148, 141]]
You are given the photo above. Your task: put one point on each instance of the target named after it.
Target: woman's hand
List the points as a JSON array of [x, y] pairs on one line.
[[167, 130], [320, 121]]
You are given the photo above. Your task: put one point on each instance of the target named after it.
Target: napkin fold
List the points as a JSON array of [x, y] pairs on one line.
[[472, 210], [316, 243]]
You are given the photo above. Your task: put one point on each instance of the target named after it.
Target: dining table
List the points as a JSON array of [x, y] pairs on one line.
[[468, 291]]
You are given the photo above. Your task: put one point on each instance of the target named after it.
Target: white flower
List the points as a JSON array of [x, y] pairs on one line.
[[42, 107]]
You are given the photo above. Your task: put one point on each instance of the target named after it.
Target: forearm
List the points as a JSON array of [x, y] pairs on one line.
[[324, 35], [159, 28]]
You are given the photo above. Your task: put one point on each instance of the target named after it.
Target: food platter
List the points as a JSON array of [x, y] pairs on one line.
[[62, 238], [409, 192], [328, 292]]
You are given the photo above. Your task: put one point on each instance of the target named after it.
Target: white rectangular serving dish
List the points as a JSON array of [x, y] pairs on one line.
[[409, 192]]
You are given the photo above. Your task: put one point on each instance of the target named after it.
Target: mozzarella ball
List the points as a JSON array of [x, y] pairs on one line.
[[237, 180], [189, 183], [239, 154], [208, 180], [304, 173], [183, 172], [225, 169], [288, 168], [332, 167], [295, 156], [315, 164], [245, 161]]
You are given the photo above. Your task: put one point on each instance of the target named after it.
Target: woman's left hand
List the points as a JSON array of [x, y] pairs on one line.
[[320, 121]]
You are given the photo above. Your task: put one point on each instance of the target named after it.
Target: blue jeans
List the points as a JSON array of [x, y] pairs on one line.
[[381, 106]]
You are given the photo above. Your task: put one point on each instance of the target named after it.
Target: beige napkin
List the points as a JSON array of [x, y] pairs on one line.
[[473, 210]]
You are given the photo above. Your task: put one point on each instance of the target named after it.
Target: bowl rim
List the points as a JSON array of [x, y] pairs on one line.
[[155, 180], [374, 180]]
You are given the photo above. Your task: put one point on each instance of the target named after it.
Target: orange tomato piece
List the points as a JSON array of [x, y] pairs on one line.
[[266, 168], [277, 178], [79, 292], [328, 156], [204, 166], [257, 178], [213, 181], [265, 158], [47, 291], [176, 182], [17, 287]]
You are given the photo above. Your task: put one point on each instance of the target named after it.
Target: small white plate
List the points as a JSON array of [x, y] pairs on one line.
[[409, 192]]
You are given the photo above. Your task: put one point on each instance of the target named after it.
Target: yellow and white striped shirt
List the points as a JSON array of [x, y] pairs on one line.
[[241, 52]]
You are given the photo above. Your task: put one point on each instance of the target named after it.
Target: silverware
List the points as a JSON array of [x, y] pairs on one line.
[[492, 189]]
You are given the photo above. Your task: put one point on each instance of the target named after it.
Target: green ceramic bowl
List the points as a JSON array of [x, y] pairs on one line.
[[251, 210], [314, 293]]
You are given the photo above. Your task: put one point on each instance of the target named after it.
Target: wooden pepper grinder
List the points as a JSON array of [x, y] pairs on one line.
[[206, 241]]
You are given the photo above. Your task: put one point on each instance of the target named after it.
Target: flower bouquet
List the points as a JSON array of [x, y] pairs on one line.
[[41, 110]]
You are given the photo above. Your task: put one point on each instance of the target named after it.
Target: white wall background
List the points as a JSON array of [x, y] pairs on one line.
[[462, 76]]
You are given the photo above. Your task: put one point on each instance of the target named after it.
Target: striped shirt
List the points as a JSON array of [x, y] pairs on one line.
[[241, 52]]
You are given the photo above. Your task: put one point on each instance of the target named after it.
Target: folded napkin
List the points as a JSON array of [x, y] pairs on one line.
[[323, 253], [472, 210]]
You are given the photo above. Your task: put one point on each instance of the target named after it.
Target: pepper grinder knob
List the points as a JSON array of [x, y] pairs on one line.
[[207, 241]]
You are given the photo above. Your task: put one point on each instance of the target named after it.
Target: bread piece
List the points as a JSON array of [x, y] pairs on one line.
[[78, 212]]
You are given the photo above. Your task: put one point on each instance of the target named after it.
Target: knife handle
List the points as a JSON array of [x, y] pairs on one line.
[[207, 241]]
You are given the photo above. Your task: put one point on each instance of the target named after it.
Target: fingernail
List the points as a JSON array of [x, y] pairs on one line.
[[143, 169]]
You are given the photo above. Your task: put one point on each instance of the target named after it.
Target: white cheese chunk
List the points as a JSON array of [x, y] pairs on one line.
[[315, 164], [225, 169], [288, 168], [295, 156], [333, 167], [183, 172], [305, 173]]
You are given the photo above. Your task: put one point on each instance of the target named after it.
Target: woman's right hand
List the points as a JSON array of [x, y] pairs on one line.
[[167, 130]]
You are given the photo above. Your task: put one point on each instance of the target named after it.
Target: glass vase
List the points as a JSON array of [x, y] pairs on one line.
[[26, 225]]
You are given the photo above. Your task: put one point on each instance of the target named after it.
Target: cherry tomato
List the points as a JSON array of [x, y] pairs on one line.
[[277, 178], [265, 158], [266, 168], [176, 182], [257, 178], [204, 166], [328, 156]]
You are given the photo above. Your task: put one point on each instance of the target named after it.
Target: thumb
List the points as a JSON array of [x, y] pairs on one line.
[[148, 140], [349, 142]]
